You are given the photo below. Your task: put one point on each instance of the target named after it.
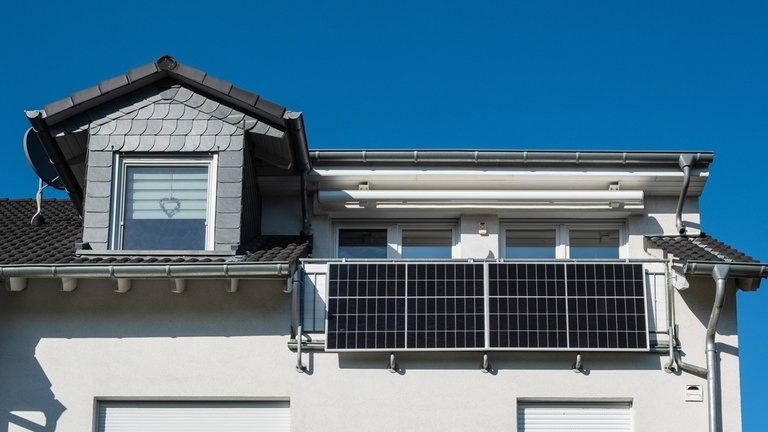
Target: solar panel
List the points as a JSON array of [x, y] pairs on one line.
[[530, 306], [561, 306], [366, 306], [387, 306], [445, 306], [527, 306], [606, 306]]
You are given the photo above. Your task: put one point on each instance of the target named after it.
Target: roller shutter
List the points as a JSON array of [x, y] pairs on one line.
[[193, 417], [567, 416]]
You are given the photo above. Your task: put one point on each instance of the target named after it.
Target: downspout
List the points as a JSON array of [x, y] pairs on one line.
[[295, 122], [685, 161], [672, 364], [306, 225], [712, 371]]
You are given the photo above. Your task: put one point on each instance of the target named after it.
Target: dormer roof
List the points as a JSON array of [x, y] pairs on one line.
[[68, 153]]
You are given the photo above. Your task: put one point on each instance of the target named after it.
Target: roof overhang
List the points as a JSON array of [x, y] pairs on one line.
[[69, 274], [152, 271]]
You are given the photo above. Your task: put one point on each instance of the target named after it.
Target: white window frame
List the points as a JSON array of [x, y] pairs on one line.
[[562, 234], [395, 234], [120, 165]]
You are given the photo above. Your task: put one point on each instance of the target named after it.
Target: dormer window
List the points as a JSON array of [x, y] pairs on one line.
[[163, 203]]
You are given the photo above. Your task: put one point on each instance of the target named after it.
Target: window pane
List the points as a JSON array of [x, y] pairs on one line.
[[362, 243], [427, 243], [165, 208], [531, 244], [594, 244]]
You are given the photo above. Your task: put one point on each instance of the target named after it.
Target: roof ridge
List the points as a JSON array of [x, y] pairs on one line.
[[165, 66]]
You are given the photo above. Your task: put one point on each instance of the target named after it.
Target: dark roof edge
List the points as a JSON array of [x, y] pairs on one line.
[[507, 158], [66, 175], [165, 66]]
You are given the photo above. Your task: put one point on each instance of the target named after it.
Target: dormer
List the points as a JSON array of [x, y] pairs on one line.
[[168, 158]]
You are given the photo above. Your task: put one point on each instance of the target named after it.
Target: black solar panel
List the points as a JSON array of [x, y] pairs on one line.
[[606, 306], [385, 306], [567, 306], [445, 306], [531, 306], [527, 306], [366, 306]]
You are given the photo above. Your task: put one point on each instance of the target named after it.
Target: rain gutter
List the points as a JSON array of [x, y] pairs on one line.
[[342, 157], [150, 271], [298, 135]]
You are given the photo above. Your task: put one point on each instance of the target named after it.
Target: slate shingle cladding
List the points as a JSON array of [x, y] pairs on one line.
[[55, 241], [697, 248]]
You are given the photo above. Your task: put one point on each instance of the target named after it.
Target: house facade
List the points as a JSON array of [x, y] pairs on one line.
[[211, 272]]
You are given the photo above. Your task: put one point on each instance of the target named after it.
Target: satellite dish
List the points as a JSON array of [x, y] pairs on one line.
[[39, 161]]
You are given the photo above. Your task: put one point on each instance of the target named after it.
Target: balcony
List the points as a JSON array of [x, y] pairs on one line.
[[499, 305]]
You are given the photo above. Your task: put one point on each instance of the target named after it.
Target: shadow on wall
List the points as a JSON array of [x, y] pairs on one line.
[[93, 311], [32, 407], [502, 360], [700, 297]]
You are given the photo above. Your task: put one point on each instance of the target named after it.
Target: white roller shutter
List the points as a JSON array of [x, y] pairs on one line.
[[193, 417], [567, 416]]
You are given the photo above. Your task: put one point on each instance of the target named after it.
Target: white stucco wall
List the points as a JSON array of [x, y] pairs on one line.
[[61, 352]]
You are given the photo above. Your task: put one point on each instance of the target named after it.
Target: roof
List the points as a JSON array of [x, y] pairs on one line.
[[66, 155], [697, 248], [165, 66], [55, 241]]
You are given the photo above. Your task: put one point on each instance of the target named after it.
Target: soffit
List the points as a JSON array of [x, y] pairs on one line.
[[651, 181]]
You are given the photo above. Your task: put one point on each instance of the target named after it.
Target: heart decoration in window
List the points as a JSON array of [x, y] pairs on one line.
[[170, 206]]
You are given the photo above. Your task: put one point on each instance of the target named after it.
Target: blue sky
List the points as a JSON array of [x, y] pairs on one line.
[[514, 75]]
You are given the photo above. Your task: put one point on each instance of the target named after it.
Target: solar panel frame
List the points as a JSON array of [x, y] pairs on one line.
[[547, 296], [428, 326], [575, 277]]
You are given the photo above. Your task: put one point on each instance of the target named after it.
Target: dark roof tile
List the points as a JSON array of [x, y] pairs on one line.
[[270, 108], [54, 242], [190, 73], [166, 66], [143, 71], [697, 248], [86, 94], [58, 106], [115, 83], [217, 84], [244, 96]]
